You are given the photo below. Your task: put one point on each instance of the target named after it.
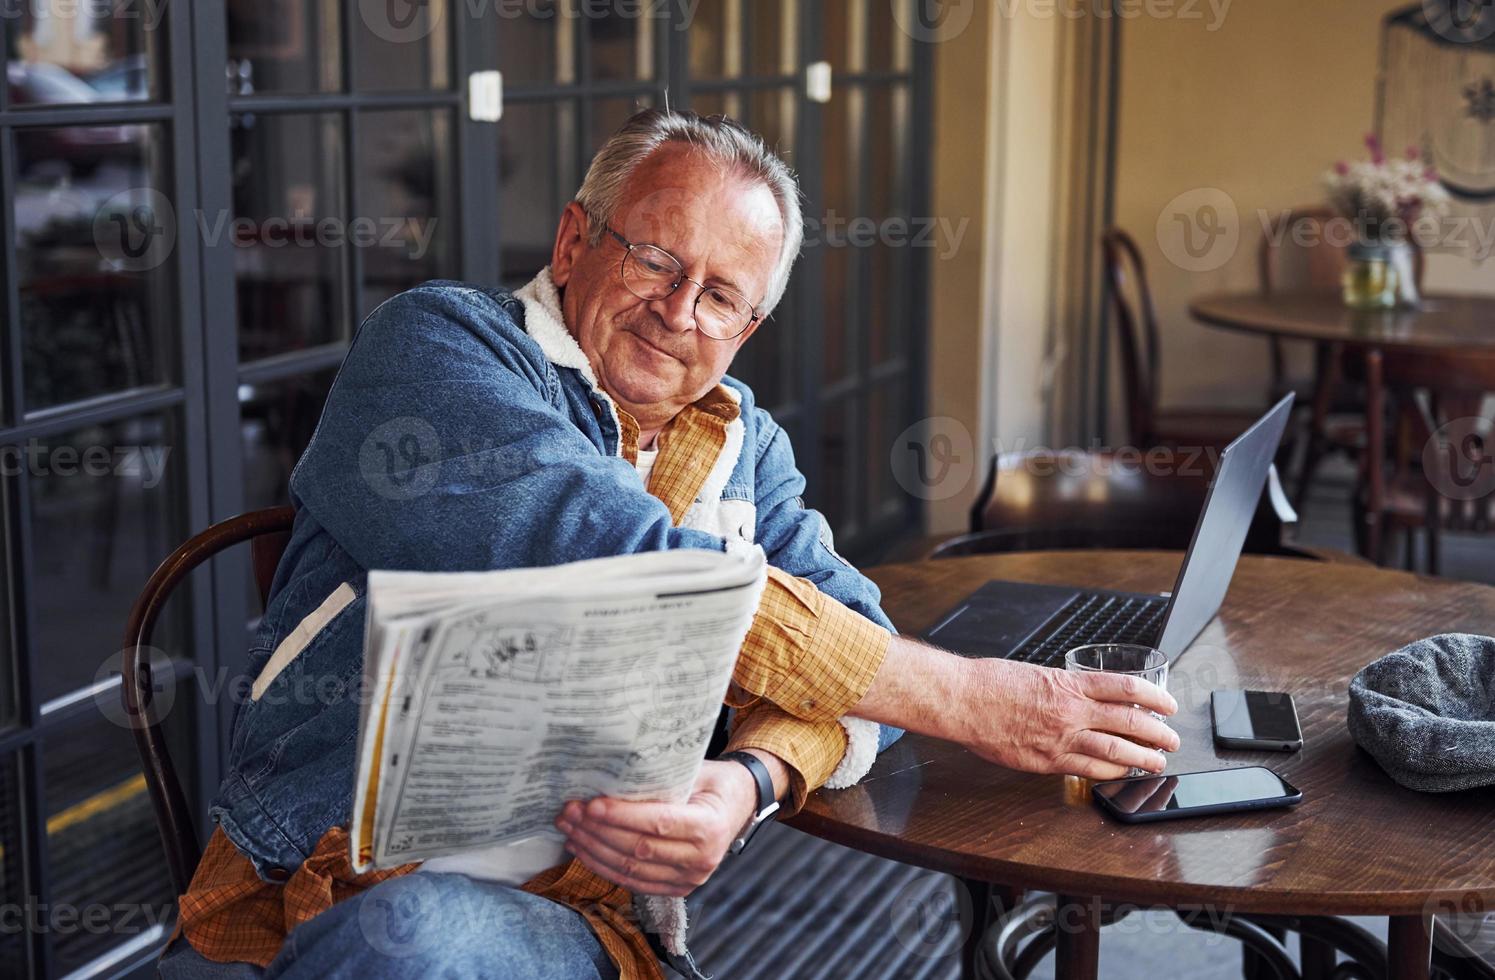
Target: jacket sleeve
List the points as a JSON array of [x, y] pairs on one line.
[[443, 448]]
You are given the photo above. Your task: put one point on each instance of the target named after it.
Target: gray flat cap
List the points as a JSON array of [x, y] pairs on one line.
[[1426, 713]]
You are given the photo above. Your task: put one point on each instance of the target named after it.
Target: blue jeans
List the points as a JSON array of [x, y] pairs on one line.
[[424, 925]]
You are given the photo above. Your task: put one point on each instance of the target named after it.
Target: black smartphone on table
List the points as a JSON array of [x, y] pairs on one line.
[[1144, 799], [1255, 720]]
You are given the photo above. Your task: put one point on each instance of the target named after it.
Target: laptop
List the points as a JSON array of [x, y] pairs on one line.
[[1040, 623]]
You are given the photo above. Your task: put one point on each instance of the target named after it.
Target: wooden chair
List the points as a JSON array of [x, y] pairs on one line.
[[1045, 500], [1437, 471], [1335, 423], [1137, 331], [267, 532]]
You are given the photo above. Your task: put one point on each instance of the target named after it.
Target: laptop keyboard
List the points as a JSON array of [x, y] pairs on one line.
[[1094, 618]]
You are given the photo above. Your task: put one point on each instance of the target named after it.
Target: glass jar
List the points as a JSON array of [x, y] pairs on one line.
[[1370, 277]]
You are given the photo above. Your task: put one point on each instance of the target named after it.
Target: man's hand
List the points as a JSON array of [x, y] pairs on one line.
[[1036, 719], [662, 848], [1039, 719]]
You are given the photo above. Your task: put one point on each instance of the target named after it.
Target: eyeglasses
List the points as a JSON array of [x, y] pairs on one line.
[[651, 273]]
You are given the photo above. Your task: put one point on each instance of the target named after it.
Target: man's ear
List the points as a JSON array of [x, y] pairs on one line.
[[570, 243]]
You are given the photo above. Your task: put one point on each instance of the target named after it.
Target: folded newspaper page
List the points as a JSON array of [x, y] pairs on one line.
[[492, 698]]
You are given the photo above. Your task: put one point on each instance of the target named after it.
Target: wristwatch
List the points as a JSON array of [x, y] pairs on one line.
[[767, 804]]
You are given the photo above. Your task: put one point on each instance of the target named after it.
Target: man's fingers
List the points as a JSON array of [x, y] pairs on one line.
[[668, 821], [1119, 751], [645, 851], [1126, 689], [625, 865], [1074, 764], [1134, 722], [632, 884]]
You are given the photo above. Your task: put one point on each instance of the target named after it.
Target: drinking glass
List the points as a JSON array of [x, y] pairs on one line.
[[1145, 662]]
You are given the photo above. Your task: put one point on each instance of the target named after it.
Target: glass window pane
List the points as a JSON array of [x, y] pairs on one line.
[[773, 37], [891, 255], [886, 418], [277, 421], [846, 34], [402, 46], [841, 226], [535, 43], [619, 41], [609, 115], [67, 53], [106, 506], [107, 870], [716, 40], [772, 116], [837, 481], [94, 239], [12, 881], [889, 46], [407, 230], [718, 104], [283, 46], [288, 231], [537, 177]]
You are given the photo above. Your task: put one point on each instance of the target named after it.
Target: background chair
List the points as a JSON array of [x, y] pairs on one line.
[[1303, 253], [1137, 331], [267, 531], [1436, 472], [1045, 500]]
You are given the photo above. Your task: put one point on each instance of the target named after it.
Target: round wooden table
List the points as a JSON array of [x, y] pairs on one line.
[[1443, 325], [1359, 844]]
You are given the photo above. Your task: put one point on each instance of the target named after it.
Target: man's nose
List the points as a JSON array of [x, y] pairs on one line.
[[677, 310]]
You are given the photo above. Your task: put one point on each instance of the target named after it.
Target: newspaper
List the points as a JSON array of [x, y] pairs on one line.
[[492, 698]]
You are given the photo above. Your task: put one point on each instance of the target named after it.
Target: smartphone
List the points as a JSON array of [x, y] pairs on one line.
[[1255, 720], [1194, 794]]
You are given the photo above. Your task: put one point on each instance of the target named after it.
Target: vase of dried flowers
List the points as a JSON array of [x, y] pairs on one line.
[[1390, 204]]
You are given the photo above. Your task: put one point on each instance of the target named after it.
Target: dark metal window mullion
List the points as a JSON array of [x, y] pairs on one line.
[[861, 354], [810, 330], [919, 142]]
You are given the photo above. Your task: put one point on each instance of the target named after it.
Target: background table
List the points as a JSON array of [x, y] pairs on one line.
[[1447, 325], [1359, 844]]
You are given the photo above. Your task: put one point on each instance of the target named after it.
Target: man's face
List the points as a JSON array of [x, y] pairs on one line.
[[725, 230]]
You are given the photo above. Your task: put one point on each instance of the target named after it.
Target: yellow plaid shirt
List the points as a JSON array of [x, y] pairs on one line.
[[806, 661]]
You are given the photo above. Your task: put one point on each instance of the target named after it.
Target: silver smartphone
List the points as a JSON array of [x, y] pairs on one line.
[[1255, 720]]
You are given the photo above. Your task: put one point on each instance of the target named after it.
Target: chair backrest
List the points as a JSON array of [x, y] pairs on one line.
[[1045, 500], [1306, 249], [1136, 330], [267, 531]]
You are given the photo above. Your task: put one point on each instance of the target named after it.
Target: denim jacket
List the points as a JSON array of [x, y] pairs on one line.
[[458, 436]]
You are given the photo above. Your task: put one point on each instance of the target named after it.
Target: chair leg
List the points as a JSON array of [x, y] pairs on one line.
[[1411, 558], [1435, 565], [1326, 380]]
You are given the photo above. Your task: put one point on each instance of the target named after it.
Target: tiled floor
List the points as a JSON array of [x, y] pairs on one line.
[[798, 907]]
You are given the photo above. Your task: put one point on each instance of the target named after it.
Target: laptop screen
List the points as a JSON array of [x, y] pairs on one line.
[[1221, 531]]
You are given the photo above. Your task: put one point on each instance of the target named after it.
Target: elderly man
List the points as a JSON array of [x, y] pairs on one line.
[[588, 414]]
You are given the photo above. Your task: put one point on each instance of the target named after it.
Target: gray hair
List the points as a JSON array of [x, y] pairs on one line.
[[723, 141]]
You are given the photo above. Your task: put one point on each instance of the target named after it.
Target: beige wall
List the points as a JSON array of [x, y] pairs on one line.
[[1258, 109], [993, 168]]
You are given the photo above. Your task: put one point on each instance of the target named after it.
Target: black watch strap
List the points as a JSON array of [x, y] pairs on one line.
[[767, 804]]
